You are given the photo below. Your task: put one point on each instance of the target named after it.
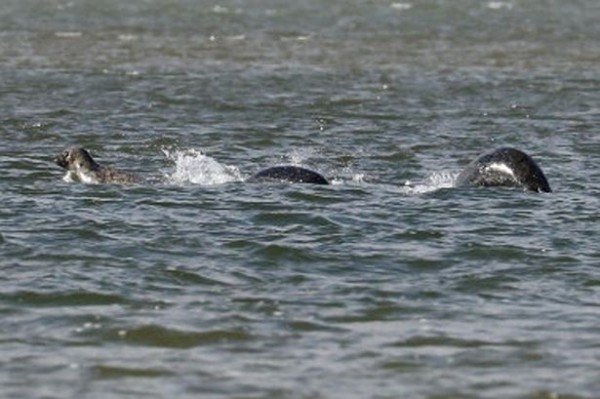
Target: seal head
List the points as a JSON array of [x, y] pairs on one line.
[[81, 167], [288, 174], [507, 167]]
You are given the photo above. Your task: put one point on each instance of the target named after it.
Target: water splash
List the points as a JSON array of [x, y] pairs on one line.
[[193, 167], [298, 156], [356, 179], [436, 181]]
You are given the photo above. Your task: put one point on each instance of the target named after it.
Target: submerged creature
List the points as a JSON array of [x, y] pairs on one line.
[[504, 167], [81, 167], [288, 174]]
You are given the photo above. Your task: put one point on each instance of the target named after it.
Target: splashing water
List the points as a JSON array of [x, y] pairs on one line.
[[435, 181], [193, 167], [299, 155]]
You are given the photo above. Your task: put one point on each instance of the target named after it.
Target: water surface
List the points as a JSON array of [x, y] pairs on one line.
[[388, 283]]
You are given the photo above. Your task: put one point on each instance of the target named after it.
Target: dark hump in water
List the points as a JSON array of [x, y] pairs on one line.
[[288, 174], [507, 167]]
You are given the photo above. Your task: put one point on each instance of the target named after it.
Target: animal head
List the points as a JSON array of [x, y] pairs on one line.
[[76, 159]]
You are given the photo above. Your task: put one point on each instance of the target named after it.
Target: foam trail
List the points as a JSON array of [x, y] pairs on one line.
[[435, 181], [193, 167]]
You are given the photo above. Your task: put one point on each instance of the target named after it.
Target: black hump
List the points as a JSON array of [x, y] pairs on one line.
[[504, 167], [288, 174]]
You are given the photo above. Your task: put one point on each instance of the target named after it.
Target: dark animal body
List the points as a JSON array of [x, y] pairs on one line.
[[288, 174], [501, 167], [504, 167], [81, 167]]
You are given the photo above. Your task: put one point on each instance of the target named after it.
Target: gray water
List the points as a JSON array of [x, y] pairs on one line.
[[389, 283]]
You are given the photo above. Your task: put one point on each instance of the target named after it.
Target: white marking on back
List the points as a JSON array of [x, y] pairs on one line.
[[502, 168]]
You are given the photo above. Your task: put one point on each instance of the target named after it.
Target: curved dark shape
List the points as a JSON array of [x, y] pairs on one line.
[[504, 167], [288, 174]]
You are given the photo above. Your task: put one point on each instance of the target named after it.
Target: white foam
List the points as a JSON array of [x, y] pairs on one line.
[[193, 167], [434, 182], [356, 179], [88, 178], [68, 35], [127, 37], [498, 5], [299, 155], [401, 6], [218, 9], [79, 176], [68, 177]]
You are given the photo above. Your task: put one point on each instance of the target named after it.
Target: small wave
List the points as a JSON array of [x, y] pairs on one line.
[[68, 35], [401, 6], [499, 5], [436, 181], [193, 167]]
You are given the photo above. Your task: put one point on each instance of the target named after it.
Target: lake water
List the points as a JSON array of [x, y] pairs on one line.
[[389, 283]]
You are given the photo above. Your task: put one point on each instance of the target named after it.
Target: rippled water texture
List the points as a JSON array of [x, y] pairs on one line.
[[389, 283]]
